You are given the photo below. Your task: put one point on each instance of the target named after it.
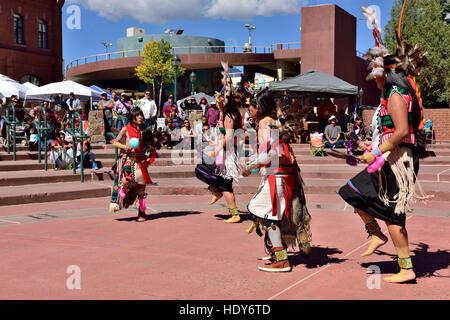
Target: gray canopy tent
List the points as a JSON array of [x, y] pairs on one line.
[[314, 83]]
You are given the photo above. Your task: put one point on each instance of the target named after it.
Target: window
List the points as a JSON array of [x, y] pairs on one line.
[[18, 29], [32, 79], [43, 34]]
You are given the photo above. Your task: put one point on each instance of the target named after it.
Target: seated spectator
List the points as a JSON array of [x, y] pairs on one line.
[[312, 116], [187, 134], [88, 156], [176, 120], [199, 126], [358, 130], [61, 153], [332, 134], [174, 134]]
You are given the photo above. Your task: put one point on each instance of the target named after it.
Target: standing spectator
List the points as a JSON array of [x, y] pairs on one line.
[[52, 119], [61, 106], [114, 96], [107, 106], [149, 108], [73, 103], [122, 107], [2, 126], [325, 109], [343, 120], [332, 134], [204, 105], [358, 130], [212, 115], [33, 140], [169, 108]]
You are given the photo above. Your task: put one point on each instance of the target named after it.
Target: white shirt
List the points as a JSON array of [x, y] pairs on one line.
[[375, 131], [148, 107]]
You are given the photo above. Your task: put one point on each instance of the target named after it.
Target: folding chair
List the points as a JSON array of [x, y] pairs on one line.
[[316, 146]]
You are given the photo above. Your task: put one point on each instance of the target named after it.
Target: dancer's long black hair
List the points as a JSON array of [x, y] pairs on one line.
[[232, 108], [133, 115], [398, 77]]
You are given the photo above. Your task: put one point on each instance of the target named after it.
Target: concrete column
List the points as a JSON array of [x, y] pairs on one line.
[[249, 74], [281, 69]]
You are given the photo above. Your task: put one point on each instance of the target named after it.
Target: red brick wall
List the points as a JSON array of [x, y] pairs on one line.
[[17, 61], [440, 118]]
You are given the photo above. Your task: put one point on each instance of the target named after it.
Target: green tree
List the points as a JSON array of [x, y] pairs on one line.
[[423, 23], [156, 67]]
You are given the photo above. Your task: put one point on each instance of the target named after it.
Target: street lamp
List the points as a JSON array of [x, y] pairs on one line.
[[250, 28], [175, 63], [361, 92], [193, 78], [106, 44]]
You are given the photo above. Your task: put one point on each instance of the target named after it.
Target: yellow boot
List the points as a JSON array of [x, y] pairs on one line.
[[234, 216], [406, 274]]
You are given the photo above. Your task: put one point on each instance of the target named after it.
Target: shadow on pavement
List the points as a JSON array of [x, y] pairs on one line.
[[159, 215], [426, 263], [318, 258], [245, 216]]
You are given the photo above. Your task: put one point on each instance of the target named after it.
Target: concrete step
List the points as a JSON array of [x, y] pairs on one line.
[[7, 178], [69, 190], [28, 177], [12, 195], [108, 153]]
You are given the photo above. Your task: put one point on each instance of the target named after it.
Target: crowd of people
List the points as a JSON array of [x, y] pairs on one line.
[[337, 126], [57, 113]]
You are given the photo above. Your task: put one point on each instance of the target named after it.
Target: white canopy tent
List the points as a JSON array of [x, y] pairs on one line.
[[64, 87], [29, 85], [9, 87]]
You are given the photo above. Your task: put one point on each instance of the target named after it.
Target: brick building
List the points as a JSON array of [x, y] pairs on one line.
[[31, 40]]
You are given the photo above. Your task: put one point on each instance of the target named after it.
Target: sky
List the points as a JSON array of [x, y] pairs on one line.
[[276, 21]]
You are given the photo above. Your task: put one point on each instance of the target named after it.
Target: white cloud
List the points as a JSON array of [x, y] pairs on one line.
[[246, 9], [161, 11]]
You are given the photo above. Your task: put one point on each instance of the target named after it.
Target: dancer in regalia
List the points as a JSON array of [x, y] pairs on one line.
[[279, 205], [138, 151], [221, 167], [382, 191]]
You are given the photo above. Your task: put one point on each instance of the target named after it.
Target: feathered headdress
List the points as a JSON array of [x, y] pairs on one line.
[[408, 58]]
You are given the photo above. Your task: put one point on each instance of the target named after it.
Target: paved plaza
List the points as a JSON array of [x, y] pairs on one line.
[[185, 250]]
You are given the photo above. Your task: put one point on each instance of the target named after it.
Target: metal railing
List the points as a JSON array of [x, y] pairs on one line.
[[175, 50], [287, 45], [11, 123], [75, 136], [42, 128], [188, 50]]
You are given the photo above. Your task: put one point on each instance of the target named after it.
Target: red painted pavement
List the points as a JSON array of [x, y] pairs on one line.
[[194, 255]]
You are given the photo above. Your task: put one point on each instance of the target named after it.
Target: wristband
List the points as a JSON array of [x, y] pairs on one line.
[[377, 152]]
